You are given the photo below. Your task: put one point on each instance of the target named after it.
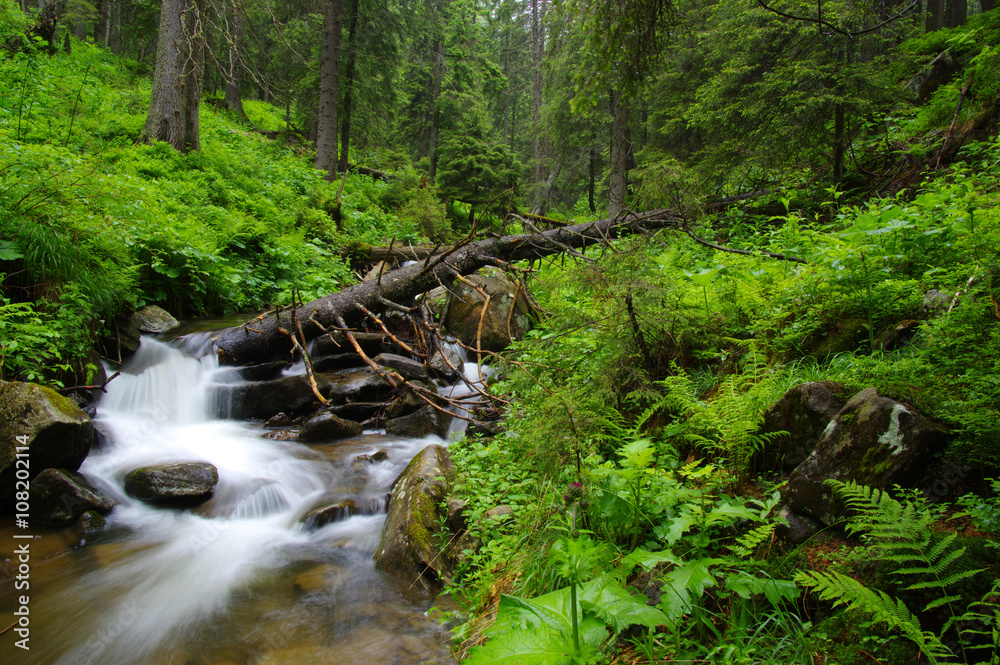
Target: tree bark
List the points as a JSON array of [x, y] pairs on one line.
[[618, 181], [935, 15], [267, 336], [345, 122], [329, 89], [176, 94], [234, 67]]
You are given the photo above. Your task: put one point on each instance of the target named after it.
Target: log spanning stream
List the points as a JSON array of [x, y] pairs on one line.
[[239, 580]]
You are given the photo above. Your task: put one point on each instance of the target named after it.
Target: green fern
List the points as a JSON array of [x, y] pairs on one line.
[[901, 534], [842, 589]]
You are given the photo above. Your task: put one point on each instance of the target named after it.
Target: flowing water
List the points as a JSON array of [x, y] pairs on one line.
[[240, 580]]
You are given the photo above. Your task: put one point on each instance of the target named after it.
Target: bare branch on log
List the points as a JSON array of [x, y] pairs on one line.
[[239, 346]]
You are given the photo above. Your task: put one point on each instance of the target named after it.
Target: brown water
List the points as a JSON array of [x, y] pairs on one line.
[[240, 581]]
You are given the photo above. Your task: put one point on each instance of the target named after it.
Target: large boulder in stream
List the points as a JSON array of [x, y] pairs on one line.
[[410, 545], [39, 429], [148, 320], [180, 485], [874, 441], [507, 316], [60, 496]]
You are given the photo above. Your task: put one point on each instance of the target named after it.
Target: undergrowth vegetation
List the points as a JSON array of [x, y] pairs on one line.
[[639, 401]]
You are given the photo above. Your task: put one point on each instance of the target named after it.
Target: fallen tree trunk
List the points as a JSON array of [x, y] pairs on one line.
[[270, 335]]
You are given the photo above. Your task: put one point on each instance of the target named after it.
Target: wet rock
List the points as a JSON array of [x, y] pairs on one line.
[[803, 412], [180, 485], [456, 515], [326, 426], [279, 420], [485, 429], [328, 513], [148, 320], [377, 456], [281, 435], [446, 365], [419, 424], [361, 385], [90, 523], [873, 440], [360, 412], [407, 401], [371, 343], [799, 529], [337, 362], [507, 318], [48, 430], [407, 367], [435, 301], [60, 496], [409, 547], [263, 371], [264, 399]]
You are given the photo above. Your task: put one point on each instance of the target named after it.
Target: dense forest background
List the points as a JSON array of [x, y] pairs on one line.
[[223, 157]]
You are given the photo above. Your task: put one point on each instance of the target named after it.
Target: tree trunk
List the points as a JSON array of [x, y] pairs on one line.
[[345, 122], [536, 89], [435, 108], [592, 174], [329, 89], [959, 13], [176, 94], [935, 16], [267, 337], [986, 5], [234, 67], [618, 181]]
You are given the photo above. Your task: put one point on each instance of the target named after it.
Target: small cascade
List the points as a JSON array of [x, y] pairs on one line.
[[226, 582]]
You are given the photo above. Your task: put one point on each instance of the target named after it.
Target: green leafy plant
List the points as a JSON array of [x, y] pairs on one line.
[[902, 533]]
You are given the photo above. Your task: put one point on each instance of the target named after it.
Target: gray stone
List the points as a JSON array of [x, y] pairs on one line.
[[60, 496], [445, 364], [411, 537], [326, 426], [803, 412], [507, 318], [337, 362], [419, 424], [263, 371], [407, 367], [180, 485], [360, 385], [152, 320], [328, 513], [874, 441], [371, 343], [799, 528], [48, 430]]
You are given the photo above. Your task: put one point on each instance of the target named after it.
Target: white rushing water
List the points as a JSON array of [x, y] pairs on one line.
[[199, 587]]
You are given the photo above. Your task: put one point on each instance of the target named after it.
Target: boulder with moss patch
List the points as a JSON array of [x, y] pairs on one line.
[[410, 546], [794, 425], [507, 313], [45, 427], [873, 440]]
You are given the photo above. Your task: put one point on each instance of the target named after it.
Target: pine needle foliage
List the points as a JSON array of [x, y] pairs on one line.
[[901, 534]]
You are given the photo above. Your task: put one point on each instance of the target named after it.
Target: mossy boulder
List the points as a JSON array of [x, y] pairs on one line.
[[873, 440], [60, 496], [507, 316], [180, 485], [410, 547], [802, 414], [50, 430]]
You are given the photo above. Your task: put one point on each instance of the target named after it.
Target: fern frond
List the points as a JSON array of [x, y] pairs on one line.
[[845, 590], [748, 542]]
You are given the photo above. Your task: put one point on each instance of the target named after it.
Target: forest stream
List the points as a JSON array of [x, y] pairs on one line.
[[239, 579]]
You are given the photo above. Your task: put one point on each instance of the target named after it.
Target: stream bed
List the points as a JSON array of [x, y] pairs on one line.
[[239, 580]]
